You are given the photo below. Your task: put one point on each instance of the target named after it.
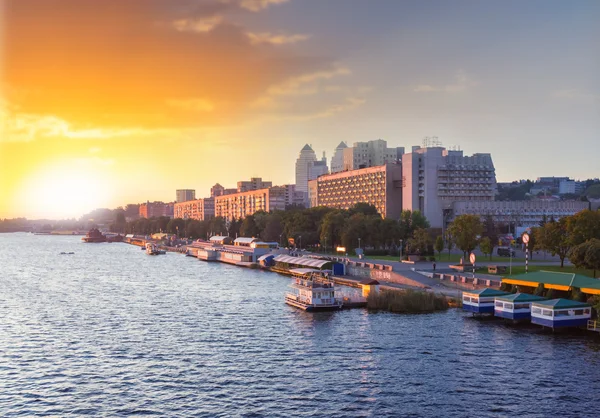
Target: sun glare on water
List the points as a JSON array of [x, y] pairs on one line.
[[64, 191]]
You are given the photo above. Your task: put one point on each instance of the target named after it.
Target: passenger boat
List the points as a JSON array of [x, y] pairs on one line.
[[313, 290], [560, 313], [152, 249], [481, 301], [94, 235]]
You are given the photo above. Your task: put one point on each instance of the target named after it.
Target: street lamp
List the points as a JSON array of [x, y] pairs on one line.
[[400, 250], [300, 238], [359, 243], [280, 242]]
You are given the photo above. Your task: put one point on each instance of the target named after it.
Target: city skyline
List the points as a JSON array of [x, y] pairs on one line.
[[92, 118]]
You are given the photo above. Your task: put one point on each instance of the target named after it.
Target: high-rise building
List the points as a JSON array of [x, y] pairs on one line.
[[200, 209], [255, 183], [239, 205], [379, 186], [337, 161], [218, 190], [308, 168], [183, 195], [368, 154], [434, 177]]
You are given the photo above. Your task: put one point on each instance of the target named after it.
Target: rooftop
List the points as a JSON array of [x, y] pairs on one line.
[[521, 297], [561, 304], [554, 278]]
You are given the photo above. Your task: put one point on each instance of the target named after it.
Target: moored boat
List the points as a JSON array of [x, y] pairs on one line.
[[313, 290], [94, 235], [152, 249]]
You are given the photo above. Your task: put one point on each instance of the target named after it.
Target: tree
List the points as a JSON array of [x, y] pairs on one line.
[[466, 230], [363, 208], [120, 223], [273, 229], [176, 226], [583, 226], [234, 228], [555, 239], [355, 228], [586, 255], [539, 290], [449, 242], [249, 228], [332, 228], [217, 226], [485, 245], [439, 245], [410, 221], [420, 242]]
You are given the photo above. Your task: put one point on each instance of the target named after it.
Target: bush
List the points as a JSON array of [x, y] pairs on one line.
[[372, 251], [539, 290], [408, 301], [432, 258]]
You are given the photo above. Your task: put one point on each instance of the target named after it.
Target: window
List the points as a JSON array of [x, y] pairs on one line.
[[546, 312], [537, 311], [499, 304]]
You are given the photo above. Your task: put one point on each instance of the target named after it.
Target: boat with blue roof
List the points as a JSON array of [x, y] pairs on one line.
[[560, 313], [481, 301], [516, 306]]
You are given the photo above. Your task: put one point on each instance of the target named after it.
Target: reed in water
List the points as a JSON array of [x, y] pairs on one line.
[[406, 301]]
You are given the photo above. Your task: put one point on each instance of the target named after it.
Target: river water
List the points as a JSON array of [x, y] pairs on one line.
[[111, 331]]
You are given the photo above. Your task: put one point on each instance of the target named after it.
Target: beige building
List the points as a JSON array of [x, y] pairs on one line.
[[367, 154], [255, 183], [379, 186], [200, 209], [239, 205], [183, 195]]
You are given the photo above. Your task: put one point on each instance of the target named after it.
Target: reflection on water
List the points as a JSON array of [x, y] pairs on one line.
[[112, 331]]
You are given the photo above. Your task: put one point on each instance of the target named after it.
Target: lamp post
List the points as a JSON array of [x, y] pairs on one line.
[[280, 242], [400, 250], [300, 238], [359, 243]]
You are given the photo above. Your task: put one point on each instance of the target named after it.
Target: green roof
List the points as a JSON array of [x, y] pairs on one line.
[[521, 297], [561, 304], [487, 292], [558, 278]]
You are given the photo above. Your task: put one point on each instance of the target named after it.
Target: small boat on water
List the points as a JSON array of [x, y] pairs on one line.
[[152, 249], [313, 290]]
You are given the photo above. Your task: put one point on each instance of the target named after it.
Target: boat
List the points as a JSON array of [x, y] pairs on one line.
[[313, 290], [94, 235], [152, 249]]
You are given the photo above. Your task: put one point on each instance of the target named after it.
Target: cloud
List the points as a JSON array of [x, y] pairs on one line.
[[203, 25], [575, 95], [258, 5], [293, 86], [273, 39], [461, 83], [350, 103], [194, 104]]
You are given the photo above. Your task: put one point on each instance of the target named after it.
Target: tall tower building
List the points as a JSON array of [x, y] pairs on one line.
[[337, 161], [305, 161]]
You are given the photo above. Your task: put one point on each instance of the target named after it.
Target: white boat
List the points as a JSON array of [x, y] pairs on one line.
[[313, 290], [152, 249]]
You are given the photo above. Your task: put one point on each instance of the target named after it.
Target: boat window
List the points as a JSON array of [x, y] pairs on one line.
[[466, 299], [561, 313], [499, 304], [475, 300], [579, 312], [536, 311], [521, 306], [546, 312], [508, 305], [586, 311]]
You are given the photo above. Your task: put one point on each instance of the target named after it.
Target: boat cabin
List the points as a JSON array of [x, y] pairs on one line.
[[481, 301], [516, 306], [560, 313], [312, 290]]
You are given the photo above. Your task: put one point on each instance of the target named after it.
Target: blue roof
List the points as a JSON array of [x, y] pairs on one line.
[[487, 292], [521, 297], [561, 304]]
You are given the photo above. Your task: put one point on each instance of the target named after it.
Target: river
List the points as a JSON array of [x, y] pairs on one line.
[[111, 331]]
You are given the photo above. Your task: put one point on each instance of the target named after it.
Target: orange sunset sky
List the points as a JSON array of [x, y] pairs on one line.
[[110, 102]]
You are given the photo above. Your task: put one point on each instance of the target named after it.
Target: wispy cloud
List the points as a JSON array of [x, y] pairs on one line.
[[294, 85], [575, 95], [203, 25], [350, 103], [461, 83], [192, 104], [258, 5], [275, 39]]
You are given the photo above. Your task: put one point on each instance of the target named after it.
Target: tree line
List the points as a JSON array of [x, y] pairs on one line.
[[319, 227]]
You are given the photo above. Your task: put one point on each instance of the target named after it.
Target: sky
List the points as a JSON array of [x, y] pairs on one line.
[[115, 102]]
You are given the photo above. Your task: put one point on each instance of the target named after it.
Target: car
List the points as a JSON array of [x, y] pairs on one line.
[[506, 252]]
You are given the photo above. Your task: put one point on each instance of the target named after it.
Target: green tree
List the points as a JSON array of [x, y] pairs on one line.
[[420, 242], [249, 228], [539, 290], [234, 228], [332, 228], [176, 226], [583, 226], [555, 239], [120, 224], [355, 228], [449, 242], [217, 226], [439, 245], [409, 222], [586, 255], [485, 245], [466, 230], [273, 229], [363, 208]]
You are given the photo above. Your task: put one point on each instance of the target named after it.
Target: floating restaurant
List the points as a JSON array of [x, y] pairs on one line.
[[555, 280], [515, 306], [560, 313], [481, 301]]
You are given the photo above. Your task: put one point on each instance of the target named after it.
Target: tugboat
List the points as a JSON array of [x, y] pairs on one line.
[[152, 249], [94, 235], [313, 290]]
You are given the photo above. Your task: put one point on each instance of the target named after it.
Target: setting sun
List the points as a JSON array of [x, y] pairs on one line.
[[64, 191]]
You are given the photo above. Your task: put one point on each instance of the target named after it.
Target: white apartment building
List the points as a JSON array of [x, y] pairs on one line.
[[434, 177], [369, 154], [337, 161]]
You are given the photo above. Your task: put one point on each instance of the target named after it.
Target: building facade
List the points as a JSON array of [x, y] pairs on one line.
[[255, 183], [156, 209], [200, 209], [308, 168], [521, 213], [369, 154], [183, 195], [379, 186], [337, 161], [239, 205], [434, 177]]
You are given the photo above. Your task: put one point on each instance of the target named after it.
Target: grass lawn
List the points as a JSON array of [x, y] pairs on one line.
[[565, 269], [454, 258]]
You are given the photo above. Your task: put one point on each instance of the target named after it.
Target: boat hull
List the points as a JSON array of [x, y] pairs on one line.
[[312, 308]]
